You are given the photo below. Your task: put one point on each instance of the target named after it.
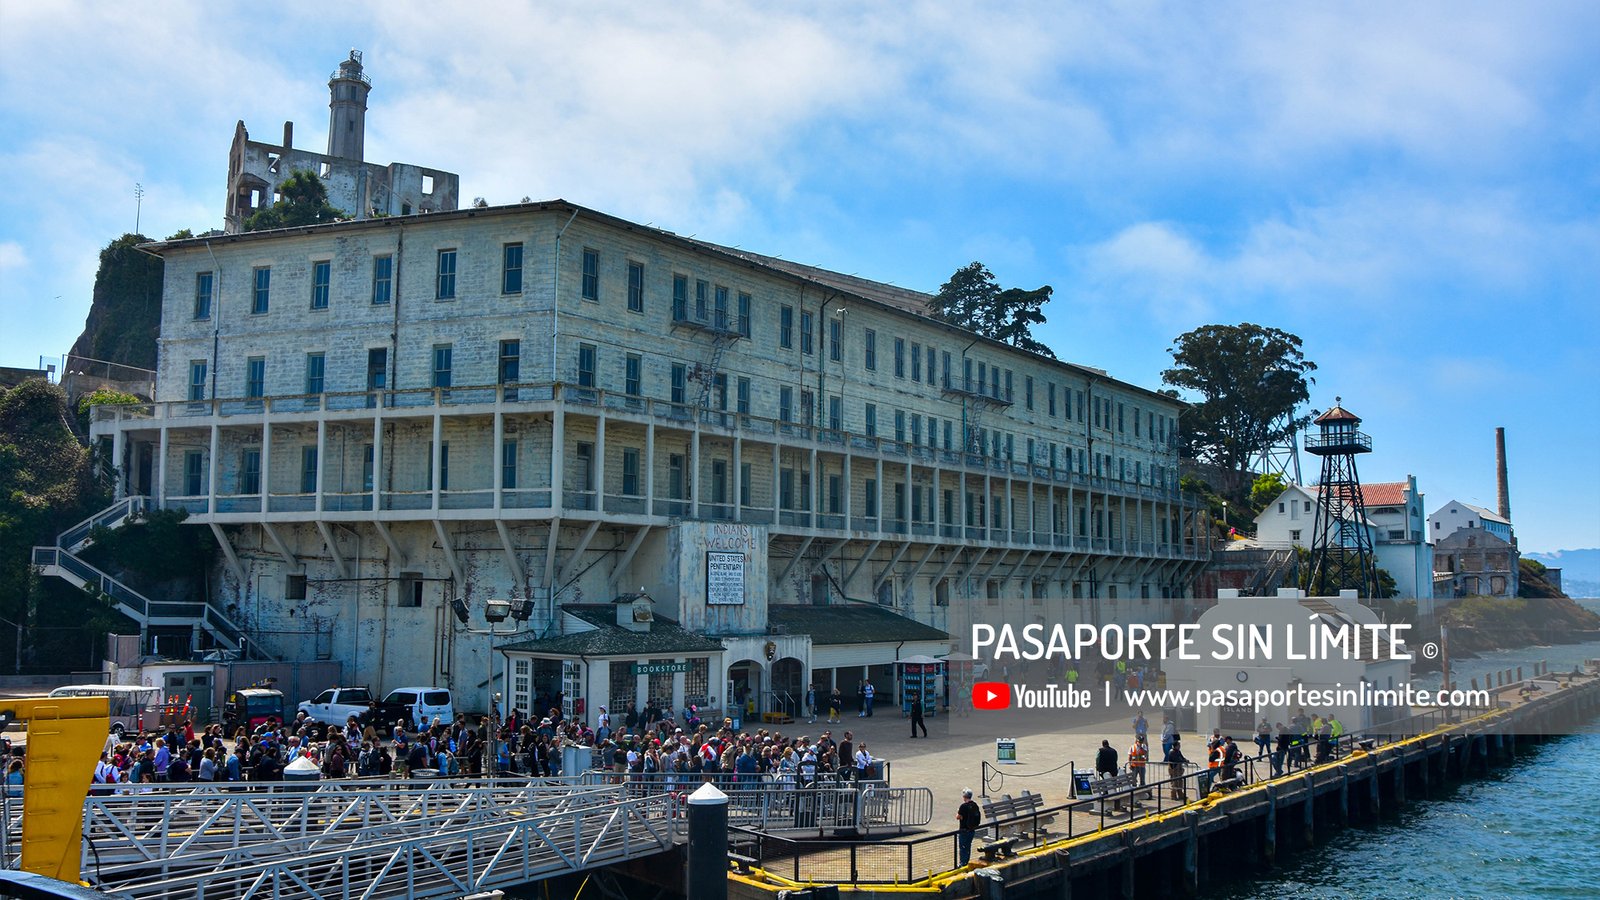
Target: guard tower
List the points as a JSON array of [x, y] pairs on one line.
[[1341, 545], [347, 109]]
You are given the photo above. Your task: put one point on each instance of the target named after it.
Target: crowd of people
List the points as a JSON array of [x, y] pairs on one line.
[[1308, 739], [645, 745]]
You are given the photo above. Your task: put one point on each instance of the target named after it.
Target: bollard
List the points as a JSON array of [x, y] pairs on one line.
[[707, 871]]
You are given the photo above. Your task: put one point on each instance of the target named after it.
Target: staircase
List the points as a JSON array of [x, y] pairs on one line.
[[60, 561]]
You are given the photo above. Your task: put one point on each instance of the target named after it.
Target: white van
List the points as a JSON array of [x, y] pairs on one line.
[[423, 703], [128, 703]]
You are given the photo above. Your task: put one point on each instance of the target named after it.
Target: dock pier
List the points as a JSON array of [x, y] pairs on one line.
[[1181, 851]]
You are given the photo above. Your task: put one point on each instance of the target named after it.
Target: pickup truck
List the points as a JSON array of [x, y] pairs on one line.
[[335, 706]]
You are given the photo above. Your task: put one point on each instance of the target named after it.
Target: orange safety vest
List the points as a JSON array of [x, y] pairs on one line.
[[1137, 756], [1215, 762]]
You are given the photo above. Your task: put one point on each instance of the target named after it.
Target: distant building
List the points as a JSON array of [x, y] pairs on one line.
[[365, 190], [1475, 562], [1455, 515], [1395, 510], [1394, 520]]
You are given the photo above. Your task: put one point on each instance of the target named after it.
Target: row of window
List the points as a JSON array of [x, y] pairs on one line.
[[711, 305], [913, 428], [382, 293]]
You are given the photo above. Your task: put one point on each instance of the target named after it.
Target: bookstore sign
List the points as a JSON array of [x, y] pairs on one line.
[[671, 668]]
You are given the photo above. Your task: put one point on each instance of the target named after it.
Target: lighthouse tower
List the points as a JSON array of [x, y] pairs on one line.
[[347, 109], [1341, 542]]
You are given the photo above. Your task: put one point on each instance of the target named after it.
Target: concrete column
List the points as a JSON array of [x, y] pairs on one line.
[[814, 498], [848, 492], [266, 464], [692, 473], [436, 460], [495, 452], [600, 463], [935, 503], [650, 471], [777, 460], [322, 458], [211, 475], [161, 468], [908, 498], [558, 455], [119, 444], [738, 479], [879, 488], [377, 461]]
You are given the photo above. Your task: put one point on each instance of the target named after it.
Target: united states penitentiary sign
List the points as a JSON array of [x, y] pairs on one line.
[[724, 578]]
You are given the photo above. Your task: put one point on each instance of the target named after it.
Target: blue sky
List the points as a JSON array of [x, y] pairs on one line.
[[1412, 188]]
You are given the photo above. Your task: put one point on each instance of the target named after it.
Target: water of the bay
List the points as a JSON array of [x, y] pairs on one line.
[[1529, 830]]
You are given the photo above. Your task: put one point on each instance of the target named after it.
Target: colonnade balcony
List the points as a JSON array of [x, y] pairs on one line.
[[1020, 503]]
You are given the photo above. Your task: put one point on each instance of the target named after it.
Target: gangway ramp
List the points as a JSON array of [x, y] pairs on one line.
[[437, 841]]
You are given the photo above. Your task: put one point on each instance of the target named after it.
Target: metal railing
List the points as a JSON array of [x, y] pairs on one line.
[[164, 833], [58, 561], [907, 860], [73, 539], [483, 398], [514, 847]]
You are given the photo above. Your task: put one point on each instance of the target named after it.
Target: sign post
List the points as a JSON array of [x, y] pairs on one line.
[[1005, 751]]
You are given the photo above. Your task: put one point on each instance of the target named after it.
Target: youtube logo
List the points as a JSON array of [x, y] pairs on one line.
[[991, 695]]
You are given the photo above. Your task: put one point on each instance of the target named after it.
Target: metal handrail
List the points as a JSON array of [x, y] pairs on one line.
[[444, 863]]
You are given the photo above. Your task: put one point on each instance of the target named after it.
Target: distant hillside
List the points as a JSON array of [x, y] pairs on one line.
[[1580, 570]]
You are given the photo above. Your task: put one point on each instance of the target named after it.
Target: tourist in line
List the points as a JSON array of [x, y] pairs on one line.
[[1169, 733], [1141, 727], [968, 818]]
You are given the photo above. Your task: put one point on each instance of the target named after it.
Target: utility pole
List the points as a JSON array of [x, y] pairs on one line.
[[138, 205]]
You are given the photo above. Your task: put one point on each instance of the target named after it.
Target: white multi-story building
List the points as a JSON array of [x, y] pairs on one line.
[[1455, 516], [381, 420]]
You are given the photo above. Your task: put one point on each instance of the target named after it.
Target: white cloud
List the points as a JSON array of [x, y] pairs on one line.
[[12, 255]]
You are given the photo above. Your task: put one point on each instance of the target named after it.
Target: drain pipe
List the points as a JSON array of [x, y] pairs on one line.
[[555, 298]]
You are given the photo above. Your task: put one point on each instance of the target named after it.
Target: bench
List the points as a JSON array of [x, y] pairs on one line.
[[1114, 790], [1027, 810]]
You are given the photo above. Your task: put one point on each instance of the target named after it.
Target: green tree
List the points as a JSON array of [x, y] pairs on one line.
[[973, 300], [303, 200], [1266, 489], [1250, 379], [47, 482]]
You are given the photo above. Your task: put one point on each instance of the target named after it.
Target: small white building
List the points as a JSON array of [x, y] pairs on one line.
[[1394, 521], [1455, 516], [1277, 671]]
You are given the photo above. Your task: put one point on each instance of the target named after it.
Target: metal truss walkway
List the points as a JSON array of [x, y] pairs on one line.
[[359, 838], [362, 839]]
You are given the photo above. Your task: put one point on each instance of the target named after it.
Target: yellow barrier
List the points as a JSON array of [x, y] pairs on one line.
[[65, 737]]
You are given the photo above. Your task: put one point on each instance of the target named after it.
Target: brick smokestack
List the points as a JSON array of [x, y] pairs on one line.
[[1502, 490]]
